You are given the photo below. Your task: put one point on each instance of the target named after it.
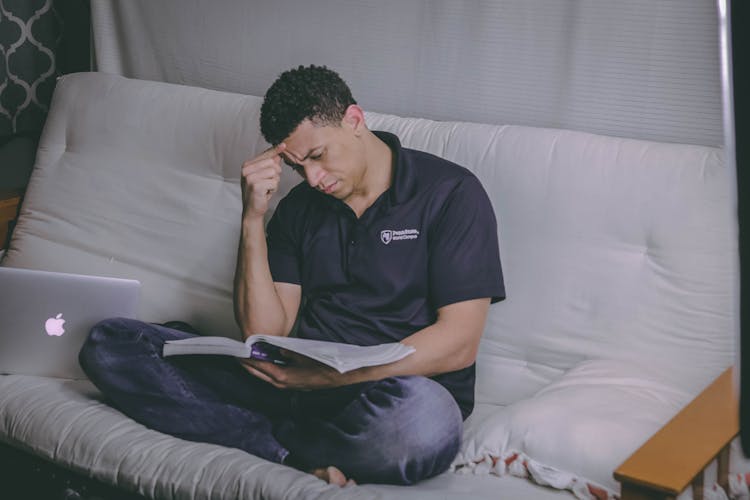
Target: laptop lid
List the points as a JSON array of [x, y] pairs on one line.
[[45, 318]]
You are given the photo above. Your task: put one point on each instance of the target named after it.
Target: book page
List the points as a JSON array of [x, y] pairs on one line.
[[206, 345], [342, 357]]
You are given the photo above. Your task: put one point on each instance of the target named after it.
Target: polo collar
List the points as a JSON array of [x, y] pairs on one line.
[[404, 183]]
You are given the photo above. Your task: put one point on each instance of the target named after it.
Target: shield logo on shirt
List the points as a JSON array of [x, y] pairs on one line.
[[386, 236]]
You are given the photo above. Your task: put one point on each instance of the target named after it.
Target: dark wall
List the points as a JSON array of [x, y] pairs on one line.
[[74, 54], [740, 11]]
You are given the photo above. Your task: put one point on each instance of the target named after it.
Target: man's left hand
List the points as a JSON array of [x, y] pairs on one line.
[[301, 373]]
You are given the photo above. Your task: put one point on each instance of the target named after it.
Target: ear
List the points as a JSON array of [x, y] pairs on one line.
[[354, 117]]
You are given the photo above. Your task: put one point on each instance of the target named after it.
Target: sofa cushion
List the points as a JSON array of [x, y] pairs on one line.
[[612, 249], [587, 422], [67, 422]]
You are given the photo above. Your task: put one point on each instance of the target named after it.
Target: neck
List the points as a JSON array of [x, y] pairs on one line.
[[377, 176]]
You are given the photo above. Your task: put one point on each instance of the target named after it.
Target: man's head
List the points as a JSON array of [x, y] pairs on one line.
[[313, 93], [309, 113]]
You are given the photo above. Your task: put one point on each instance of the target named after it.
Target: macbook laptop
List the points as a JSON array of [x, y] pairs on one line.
[[45, 318]]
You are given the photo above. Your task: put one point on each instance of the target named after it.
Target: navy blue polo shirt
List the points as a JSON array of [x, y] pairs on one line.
[[428, 241]]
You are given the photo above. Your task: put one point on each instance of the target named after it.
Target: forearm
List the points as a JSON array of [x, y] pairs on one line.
[[436, 352], [449, 344], [257, 306]]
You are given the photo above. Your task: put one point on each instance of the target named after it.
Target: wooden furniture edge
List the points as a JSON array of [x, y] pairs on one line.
[[10, 203], [676, 455]]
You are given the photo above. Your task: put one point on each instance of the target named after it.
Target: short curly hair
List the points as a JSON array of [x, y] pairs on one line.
[[306, 92]]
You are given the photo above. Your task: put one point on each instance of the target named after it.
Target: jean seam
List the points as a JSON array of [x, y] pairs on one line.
[[173, 373]]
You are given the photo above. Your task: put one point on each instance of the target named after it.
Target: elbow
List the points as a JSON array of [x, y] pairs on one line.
[[249, 327], [241, 323], [468, 363], [278, 327], [471, 350], [250, 322], [466, 357]]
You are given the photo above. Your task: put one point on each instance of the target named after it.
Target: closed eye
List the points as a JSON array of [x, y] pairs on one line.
[[297, 168], [289, 162]]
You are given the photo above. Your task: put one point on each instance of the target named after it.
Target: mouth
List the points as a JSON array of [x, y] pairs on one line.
[[330, 187]]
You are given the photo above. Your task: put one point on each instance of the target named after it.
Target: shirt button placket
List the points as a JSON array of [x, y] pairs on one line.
[[353, 236]]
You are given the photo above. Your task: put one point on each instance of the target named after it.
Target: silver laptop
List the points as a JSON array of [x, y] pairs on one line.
[[45, 318]]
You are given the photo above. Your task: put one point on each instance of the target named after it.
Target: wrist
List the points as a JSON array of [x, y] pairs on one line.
[[364, 374], [253, 224], [252, 218]]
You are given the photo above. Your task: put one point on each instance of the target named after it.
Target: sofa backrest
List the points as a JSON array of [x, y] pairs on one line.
[[612, 249], [140, 179]]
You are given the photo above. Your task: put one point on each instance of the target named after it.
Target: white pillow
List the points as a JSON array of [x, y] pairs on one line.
[[585, 424]]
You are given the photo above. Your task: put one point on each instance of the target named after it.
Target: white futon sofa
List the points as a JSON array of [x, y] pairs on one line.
[[619, 258]]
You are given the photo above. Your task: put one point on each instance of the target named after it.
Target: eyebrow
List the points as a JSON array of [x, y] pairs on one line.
[[308, 153]]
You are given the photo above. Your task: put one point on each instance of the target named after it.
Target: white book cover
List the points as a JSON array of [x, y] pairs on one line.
[[341, 357]]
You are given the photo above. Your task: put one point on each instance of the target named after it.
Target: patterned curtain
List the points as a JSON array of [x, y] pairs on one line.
[[39, 40], [30, 35]]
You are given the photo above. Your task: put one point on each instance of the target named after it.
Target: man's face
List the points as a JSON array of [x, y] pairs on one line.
[[330, 158]]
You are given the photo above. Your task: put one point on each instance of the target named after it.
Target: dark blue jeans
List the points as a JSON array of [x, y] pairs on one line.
[[397, 430]]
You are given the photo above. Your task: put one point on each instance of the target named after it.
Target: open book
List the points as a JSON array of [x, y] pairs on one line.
[[341, 357]]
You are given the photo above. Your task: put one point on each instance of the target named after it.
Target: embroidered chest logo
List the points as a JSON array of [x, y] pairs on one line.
[[388, 235]]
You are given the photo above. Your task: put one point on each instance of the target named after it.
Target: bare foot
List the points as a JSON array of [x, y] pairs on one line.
[[332, 475]]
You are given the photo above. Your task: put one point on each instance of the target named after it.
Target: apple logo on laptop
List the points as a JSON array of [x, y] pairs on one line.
[[54, 326]]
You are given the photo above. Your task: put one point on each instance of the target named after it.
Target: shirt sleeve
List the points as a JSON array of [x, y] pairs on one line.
[[283, 254], [464, 252]]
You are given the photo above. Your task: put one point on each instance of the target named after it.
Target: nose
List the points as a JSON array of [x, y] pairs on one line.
[[313, 174]]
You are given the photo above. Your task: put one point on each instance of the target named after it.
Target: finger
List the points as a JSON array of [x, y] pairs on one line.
[[253, 180], [293, 356], [260, 164], [272, 152], [267, 169], [266, 165], [269, 368], [300, 358], [264, 188], [335, 476], [265, 176], [258, 373]]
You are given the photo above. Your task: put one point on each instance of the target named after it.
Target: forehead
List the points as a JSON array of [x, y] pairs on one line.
[[307, 136]]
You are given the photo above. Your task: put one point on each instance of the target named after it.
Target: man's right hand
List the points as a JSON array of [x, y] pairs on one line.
[[260, 179]]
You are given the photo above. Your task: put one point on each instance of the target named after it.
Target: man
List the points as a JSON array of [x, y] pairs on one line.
[[380, 244]]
